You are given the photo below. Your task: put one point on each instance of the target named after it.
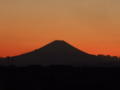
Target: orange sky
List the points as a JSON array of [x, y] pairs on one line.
[[91, 25]]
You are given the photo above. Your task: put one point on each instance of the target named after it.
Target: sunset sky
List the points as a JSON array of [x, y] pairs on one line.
[[90, 25]]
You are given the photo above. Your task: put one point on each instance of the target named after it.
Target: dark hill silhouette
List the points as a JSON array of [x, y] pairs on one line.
[[60, 75], [58, 53], [59, 47]]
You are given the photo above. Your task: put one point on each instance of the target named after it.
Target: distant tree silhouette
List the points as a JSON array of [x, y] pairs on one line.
[[114, 60], [109, 57]]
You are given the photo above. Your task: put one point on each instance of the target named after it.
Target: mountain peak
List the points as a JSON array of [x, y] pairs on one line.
[[58, 42], [60, 46], [57, 47], [55, 52]]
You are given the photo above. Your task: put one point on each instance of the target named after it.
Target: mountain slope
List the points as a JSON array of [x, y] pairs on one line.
[[57, 53]]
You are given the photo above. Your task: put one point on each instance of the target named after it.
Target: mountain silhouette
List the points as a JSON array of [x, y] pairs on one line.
[[57, 52], [59, 47]]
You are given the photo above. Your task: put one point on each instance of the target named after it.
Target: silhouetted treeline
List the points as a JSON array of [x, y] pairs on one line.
[[104, 60], [58, 78], [110, 58]]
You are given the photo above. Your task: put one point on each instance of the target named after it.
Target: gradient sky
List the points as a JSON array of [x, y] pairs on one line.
[[91, 25]]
